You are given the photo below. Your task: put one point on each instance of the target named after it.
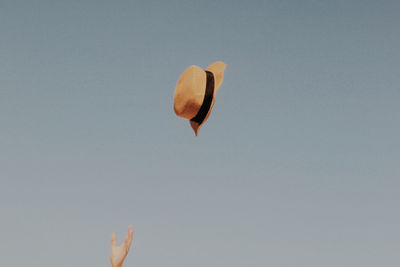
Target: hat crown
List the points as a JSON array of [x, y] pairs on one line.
[[189, 92]]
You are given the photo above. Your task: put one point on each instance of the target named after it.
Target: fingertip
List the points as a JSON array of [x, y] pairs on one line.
[[130, 230]]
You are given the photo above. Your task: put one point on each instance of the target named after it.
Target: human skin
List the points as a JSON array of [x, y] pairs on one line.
[[118, 253]]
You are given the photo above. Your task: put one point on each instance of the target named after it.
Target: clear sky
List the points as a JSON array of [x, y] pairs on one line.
[[298, 164]]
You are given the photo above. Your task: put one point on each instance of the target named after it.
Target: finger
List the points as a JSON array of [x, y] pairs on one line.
[[128, 239], [113, 240], [130, 235]]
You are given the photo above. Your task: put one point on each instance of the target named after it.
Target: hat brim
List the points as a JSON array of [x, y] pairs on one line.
[[195, 125], [217, 69]]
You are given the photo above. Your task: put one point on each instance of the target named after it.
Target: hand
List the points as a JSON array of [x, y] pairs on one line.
[[118, 253]]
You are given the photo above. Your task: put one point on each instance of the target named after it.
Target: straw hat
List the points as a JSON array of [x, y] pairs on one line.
[[195, 93]]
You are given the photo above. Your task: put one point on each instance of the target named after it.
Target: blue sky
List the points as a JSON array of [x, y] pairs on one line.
[[298, 164]]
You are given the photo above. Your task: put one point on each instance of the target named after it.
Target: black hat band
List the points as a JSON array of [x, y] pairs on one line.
[[208, 97]]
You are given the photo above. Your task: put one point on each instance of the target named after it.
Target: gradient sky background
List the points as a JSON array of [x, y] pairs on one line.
[[298, 164]]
